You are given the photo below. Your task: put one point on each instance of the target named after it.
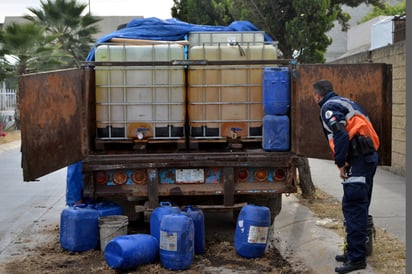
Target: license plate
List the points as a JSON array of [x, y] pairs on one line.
[[190, 176]]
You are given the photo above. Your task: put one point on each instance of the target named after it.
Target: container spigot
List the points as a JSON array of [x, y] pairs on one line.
[[140, 132], [234, 132]]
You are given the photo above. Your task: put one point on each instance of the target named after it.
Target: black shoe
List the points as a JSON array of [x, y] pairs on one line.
[[350, 266], [341, 257]]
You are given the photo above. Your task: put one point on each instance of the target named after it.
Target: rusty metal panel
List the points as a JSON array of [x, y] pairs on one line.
[[368, 84], [52, 121]]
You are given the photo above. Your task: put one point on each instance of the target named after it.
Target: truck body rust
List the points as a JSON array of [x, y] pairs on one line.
[[59, 124], [370, 85], [51, 120]]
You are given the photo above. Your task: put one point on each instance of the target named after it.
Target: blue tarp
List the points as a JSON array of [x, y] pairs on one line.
[[74, 184], [147, 29], [168, 30]]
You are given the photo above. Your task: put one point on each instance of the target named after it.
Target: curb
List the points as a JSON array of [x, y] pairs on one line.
[[298, 233], [10, 145]]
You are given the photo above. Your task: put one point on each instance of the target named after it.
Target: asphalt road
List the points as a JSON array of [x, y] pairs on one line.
[[25, 204]]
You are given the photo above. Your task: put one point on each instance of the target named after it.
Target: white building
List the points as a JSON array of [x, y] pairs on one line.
[[341, 40]]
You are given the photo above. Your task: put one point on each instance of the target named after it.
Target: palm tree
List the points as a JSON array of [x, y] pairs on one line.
[[25, 48], [64, 19]]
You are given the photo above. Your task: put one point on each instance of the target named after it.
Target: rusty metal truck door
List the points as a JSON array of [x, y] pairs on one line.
[[368, 84], [52, 121]]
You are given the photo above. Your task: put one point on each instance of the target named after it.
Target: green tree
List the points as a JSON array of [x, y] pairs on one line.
[[344, 17], [299, 26], [74, 31], [25, 48], [310, 21], [203, 12], [388, 10]]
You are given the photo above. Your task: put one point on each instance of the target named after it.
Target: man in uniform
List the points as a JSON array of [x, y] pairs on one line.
[[354, 144]]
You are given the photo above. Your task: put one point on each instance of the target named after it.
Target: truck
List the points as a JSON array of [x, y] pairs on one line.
[[185, 121]]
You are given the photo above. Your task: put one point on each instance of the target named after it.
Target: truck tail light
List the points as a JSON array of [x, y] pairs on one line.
[[243, 174], [119, 177], [279, 174], [101, 177], [261, 175], [139, 176]]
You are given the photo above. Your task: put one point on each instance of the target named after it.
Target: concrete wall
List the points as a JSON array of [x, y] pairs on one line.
[[340, 38], [360, 35], [396, 55]]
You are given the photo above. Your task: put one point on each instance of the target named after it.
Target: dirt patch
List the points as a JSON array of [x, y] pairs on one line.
[[220, 257], [46, 256], [38, 250], [11, 136]]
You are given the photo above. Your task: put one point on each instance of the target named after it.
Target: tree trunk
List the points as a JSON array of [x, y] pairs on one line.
[[305, 178]]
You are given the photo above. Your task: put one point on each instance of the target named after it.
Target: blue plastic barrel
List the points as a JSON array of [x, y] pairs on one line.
[[276, 133], [108, 208], [199, 222], [127, 252], [276, 90], [79, 229], [252, 230], [176, 241], [157, 215]]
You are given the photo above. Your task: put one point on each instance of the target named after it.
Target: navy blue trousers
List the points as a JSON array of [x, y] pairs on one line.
[[357, 194]]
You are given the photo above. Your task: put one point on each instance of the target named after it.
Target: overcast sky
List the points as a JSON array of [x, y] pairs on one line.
[[146, 8]]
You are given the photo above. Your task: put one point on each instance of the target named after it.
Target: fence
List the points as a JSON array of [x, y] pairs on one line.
[[7, 99], [7, 109]]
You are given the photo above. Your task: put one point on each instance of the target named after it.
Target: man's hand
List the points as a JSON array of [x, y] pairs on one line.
[[342, 170]]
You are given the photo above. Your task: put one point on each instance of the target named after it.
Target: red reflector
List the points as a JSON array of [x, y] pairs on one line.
[[119, 177], [139, 176], [261, 175], [280, 174], [101, 177], [243, 174]]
